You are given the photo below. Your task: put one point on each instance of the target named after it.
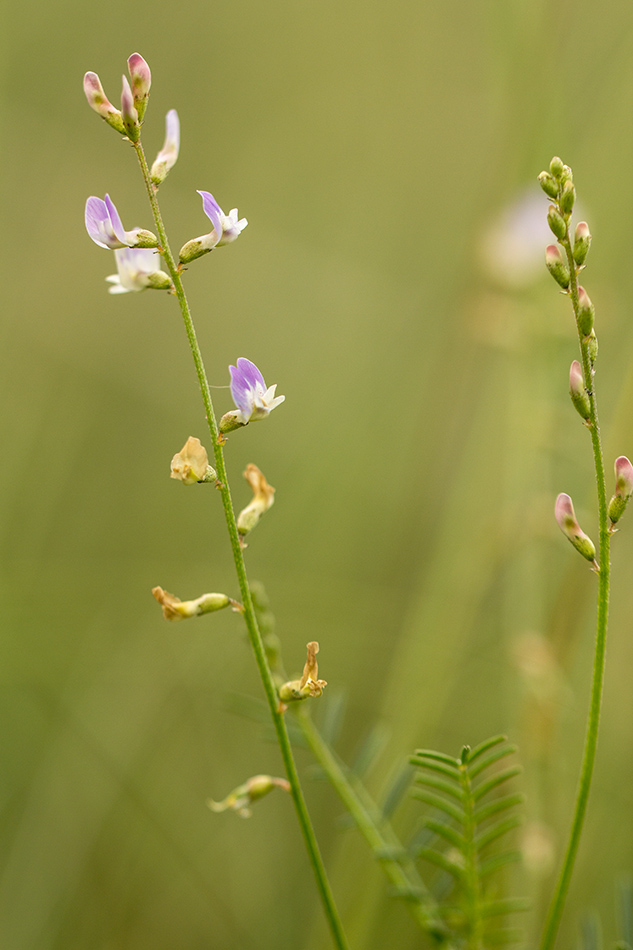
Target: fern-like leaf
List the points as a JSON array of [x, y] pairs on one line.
[[469, 818]]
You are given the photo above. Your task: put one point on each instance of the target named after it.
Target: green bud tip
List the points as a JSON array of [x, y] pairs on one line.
[[557, 223], [548, 184], [577, 390], [556, 166], [586, 312], [567, 198]]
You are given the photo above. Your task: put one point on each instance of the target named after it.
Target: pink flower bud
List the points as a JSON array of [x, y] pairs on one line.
[[141, 81], [577, 390], [582, 241], [556, 265], [98, 101], [129, 113], [623, 488], [566, 518], [586, 312], [623, 477]]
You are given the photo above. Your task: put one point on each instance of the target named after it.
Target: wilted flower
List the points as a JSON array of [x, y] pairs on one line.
[[137, 271], [309, 684], [253, 400], [191, 464], [104, 226], [226, 228], [263, 498], [242, 797], [176, 609], [168, 155]]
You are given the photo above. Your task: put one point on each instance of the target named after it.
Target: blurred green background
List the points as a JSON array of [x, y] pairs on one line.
[[378, 150]]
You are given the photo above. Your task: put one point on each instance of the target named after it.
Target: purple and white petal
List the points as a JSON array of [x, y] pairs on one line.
[[104, 226], [249, 391], [213, 212]]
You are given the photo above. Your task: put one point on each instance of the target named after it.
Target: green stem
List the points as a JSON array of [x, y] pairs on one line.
[[471, 878], [250, 619], [593, 720], [395, 861]]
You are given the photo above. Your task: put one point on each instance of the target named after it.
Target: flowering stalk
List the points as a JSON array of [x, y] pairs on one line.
[[247, 602], [562, 191]]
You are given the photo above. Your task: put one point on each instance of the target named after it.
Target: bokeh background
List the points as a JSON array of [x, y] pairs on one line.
[[391, 282]]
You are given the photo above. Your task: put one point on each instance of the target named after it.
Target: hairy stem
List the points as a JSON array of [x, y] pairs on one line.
[[591, 737], [250, 619]]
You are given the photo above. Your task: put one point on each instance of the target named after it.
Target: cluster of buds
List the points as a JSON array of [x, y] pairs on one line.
[[308, 685], [126, 120], [242, 797], [558, 184]]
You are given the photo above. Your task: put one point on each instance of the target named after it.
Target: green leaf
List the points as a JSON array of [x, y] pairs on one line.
[[483, 764], [448, 833], [438, 767], [484, 746], [453, 790], [369, 750], [498, 861], [436, 801], [501, 804], [441, 861], [494, 832], [397, 789], [496, 780], [438, 756]]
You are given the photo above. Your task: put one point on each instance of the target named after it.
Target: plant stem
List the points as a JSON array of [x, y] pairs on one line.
[[395, 861], [250, 619], [593, 720]]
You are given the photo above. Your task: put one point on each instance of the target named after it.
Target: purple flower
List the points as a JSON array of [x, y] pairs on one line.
[[137, 271], [226, 227], [104, 226], [250, 395]]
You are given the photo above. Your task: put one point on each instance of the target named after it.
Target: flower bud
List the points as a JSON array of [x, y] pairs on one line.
[[98, 101], [557, 265], [556, 166], [556, 222], [566, 175], [231, 421], [623, 488], [263, 498], [242, 797], [586, 312], [145, 238], [191, 464], [168, 155], [566, 518], [176, 609], [567, 198], [309, 684], [195, 248], [141, 81], [577, 391], [582, 242], [129, 113], [548, 184], [592, 347]]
